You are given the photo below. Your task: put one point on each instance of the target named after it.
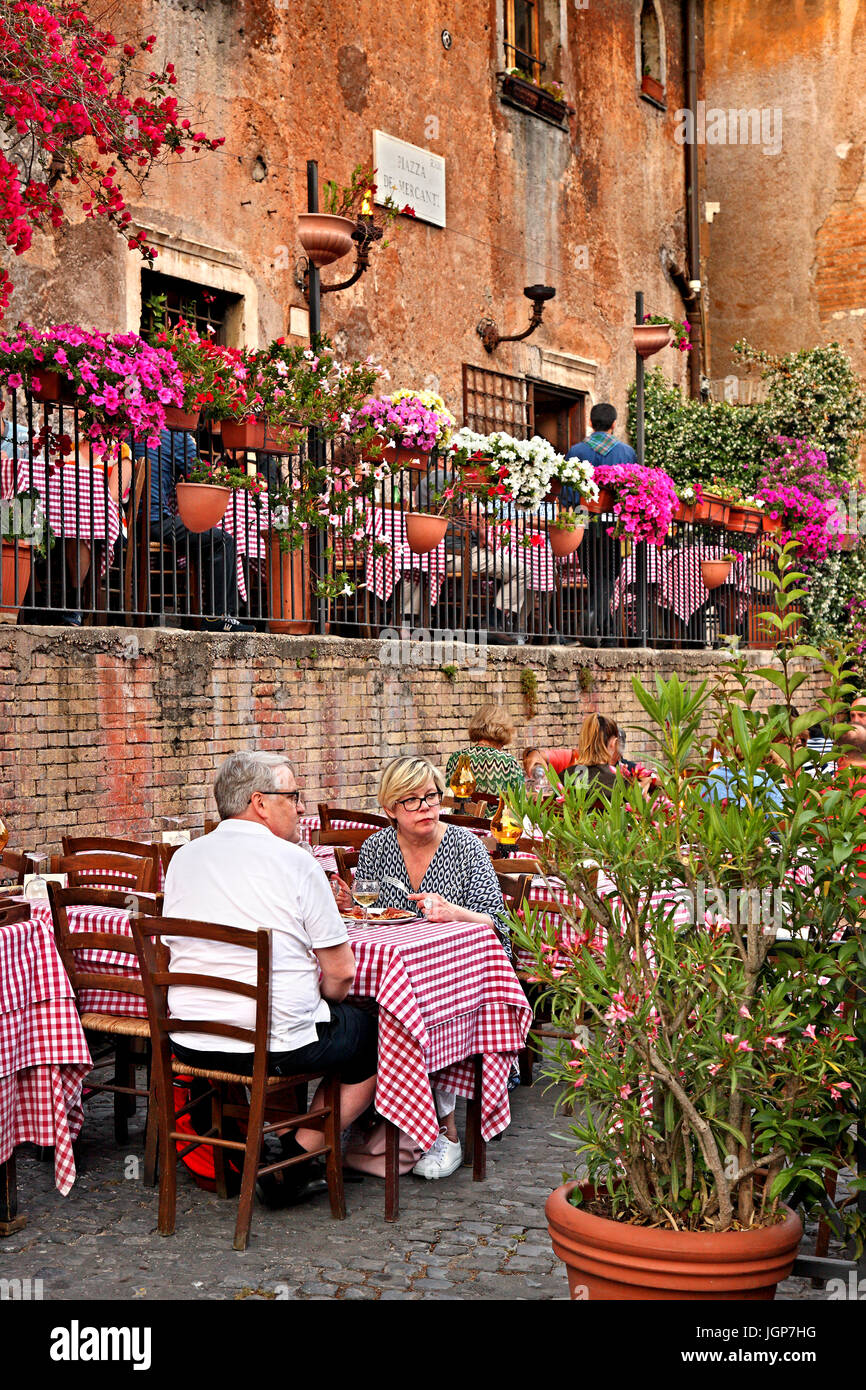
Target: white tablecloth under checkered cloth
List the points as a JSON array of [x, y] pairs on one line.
[[446, 992], [538, 567], [43, 1051], [67, 498], [681, 583]]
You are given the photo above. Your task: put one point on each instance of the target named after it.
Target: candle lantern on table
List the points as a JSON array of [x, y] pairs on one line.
[[462, 783]]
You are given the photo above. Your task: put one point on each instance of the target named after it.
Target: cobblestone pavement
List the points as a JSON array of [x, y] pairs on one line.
[[454, 1239]]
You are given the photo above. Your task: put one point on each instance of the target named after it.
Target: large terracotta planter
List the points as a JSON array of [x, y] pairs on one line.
[[532, 98], [564, 541], [55, 387], [712, 509], [685, 512], [749, 520], [651, 87], [475, 478], [325, 238], [650, 338], [176, 419], [256, 436], [12, 594], [201, 506], [290, 602], [396, 455], [614, 1261], [715, 572], [424, 532], [604, 503], [772, 525]]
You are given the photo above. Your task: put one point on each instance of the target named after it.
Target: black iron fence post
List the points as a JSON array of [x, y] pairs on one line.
[[640, 549]]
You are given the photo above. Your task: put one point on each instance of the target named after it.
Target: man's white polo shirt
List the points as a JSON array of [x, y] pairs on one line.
[[243, 876]]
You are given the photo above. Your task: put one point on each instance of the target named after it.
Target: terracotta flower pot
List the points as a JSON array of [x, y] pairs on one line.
[[614, 1261], [201, 506], [290, 601], [746, 519], [475, 478], [244, 434], [325, 238], [176, 419], [564, 541], [604, 503], [554, 490], [396, 455], [685, 512], [715, 572], [772, 524], [712, 509], [54, 387], [424, 532], [652, 88], [651, 337], [12, 594]]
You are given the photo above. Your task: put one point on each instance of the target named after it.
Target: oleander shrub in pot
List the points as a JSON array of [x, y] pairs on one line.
[[705, 988]]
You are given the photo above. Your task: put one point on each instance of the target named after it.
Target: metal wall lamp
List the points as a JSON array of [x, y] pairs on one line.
[[490, 335]]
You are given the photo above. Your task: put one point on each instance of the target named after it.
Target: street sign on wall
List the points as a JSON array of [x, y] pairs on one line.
[[412, 175]]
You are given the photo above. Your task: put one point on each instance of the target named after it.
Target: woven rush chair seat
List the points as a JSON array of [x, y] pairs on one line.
[[233, 1078], [112, 1023]]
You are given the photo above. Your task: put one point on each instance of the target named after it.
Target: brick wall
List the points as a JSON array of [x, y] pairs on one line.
[[106, 730]]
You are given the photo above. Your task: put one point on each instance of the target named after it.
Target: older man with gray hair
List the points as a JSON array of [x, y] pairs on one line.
[[251, 872]]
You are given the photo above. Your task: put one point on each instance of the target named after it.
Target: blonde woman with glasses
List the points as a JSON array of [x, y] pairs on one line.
[[441, 871]]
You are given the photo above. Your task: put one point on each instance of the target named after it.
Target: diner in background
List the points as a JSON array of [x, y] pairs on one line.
[[496, 770], [597, 752], [443, 871], [251, 872]]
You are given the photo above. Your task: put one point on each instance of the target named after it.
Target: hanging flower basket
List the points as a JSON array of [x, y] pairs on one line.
[[12, 594], [201, 506], [55, 388], [424, 531], [604, 503], [474, 477], [685, 512], [650, 338], [715, 572], [564, 540], [748, 520], [554, 490], [712, 509], [176, 419], [772, 524], [324, 237], [396, 455]]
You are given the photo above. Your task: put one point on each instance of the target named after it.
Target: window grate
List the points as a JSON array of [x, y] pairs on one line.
[[496, 401], [207, 309]]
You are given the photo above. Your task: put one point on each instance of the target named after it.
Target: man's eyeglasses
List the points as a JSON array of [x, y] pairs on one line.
[[294, 796], [414, 803]]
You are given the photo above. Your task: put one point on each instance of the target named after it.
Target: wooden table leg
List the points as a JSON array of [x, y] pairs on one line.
[[392, 1171], [476, 1149], [10, 1221]]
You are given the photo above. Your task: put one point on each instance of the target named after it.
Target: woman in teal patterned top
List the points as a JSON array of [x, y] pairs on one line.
[[496, 770]]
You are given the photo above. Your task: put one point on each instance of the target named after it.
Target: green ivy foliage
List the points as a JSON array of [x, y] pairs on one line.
[[814, 395]]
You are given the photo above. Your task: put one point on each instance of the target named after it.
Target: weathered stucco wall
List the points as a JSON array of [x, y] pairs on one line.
[[787, 251], [105, 731], [590, 210]]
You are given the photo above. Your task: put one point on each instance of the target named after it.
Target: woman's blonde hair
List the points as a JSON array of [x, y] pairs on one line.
[[403, 776], [595, 734], [494, 723]]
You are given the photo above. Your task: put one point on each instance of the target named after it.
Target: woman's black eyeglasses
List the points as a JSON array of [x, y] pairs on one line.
[[414, 803]]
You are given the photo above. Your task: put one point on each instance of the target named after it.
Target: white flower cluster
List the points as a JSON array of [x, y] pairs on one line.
[[531, 464], [577, 473]]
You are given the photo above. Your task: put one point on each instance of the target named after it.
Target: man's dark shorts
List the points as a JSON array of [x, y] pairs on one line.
[[348, 1045]]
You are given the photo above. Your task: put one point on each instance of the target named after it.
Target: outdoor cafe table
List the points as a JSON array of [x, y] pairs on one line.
[[248, 524], [445, 991], [74, 498], [43, 1057], [680, 581]]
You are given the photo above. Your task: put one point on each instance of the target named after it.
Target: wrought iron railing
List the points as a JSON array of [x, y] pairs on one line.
[[121, 555]]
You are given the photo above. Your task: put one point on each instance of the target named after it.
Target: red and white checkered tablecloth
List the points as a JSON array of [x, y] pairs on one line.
[[383, 571], [43, 1051], [248, 525], [446, 992], [67, 498], [678, 574]]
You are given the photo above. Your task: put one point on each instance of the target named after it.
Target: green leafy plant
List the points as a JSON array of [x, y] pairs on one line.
[[449, 671], [716, 1067], [585, 679], [357, 201]]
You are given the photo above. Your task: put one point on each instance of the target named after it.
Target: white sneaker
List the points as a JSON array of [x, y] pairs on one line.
[[441, 1161]]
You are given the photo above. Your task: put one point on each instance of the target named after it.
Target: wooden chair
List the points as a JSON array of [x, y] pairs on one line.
[[515, 866], [347, 862], [122, 1031], [514, 888], [101, 870], [210, 823], [470, 822], [542, 1027], [328, 814], [15, 912], [347, 839], [268, 1093], [161, 581], [14, 865], [118, 587], [95, 844]]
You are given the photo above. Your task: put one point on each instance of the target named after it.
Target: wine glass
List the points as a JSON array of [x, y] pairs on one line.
[[37, 888], [538, 779], [365, 891]]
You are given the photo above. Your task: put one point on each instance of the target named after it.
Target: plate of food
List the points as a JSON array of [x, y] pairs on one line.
[[355, 916]]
